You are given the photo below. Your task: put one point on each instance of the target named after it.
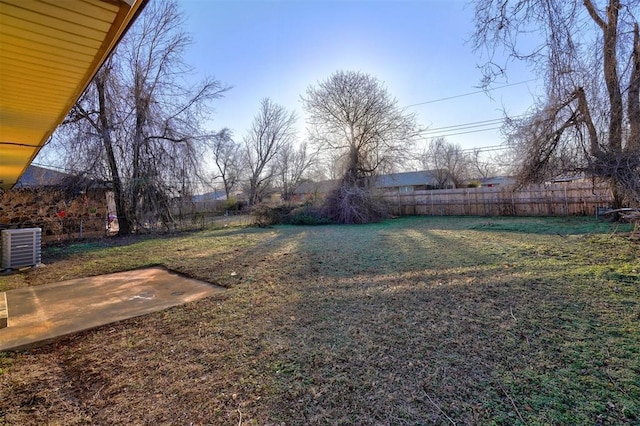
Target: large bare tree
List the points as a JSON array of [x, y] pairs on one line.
[[227, 158], [447, 160], [588, 55], [137, 125], [352, 114], [292, 164], [273, 128], [483, 166]]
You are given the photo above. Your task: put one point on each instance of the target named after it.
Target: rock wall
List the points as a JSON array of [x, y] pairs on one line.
[[55, 211]]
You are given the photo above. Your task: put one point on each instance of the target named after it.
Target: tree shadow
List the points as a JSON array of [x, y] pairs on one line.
[[471, 337]]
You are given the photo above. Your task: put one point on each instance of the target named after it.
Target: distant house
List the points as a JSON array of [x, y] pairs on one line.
[[405, 182], [568, 178], [309, 190], [210, 197], [207, 202], [497, 181], [408, 182]]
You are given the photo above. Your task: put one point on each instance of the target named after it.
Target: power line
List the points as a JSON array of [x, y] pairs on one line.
[[470, 93], [462, 133], [487, 148], [478, 125], [465, 125]]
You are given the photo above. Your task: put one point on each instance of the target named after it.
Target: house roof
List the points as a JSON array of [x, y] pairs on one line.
[[423, 177], [322, 187], [36, 176], [393, 180], [498, 180], [210, 196], [49, 52], [569, 177]]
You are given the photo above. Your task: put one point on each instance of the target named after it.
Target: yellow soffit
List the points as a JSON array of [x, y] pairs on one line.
[[49, 52]]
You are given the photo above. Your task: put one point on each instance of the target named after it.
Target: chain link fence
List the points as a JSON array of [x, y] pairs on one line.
[[71, 229]]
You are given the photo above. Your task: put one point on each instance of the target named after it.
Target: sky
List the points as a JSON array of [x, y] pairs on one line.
[[419, 49]]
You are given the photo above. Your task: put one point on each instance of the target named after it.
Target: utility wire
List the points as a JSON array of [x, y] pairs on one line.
[[480, 127], [437, 135], [470, 93], [472, 124], [465, 125], [486, 148]]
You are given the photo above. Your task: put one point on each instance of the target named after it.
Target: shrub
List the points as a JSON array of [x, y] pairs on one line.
[[306, 215], [231, 203], [264, 215], [355, 204]]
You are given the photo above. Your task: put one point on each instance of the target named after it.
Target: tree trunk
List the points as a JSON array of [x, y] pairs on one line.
[[141, 113], [610, 33], [124, 227], [633, 107], [227, 186], [618, 198]]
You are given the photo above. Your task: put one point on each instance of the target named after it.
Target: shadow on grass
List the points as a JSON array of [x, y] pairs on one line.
[[569, 225], [399, 246], [481, 346], [65, 250], [413, 318], [409, 321]]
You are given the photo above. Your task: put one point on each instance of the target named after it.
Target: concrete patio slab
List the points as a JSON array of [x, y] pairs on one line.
[[41, 314]]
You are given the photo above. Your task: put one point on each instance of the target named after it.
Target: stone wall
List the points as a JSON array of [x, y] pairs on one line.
[[57, 212]]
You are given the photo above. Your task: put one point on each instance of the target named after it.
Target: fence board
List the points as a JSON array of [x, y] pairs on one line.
[[561, 199]]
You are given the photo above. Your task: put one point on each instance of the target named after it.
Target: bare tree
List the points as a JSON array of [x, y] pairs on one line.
[[226, 156], [481, 166], [589, 56], [141, 122], [352, 114], [292, 164], [272, 130], [448, 161]]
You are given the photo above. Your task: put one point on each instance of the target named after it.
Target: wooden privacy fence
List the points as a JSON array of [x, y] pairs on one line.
[[560, 199]]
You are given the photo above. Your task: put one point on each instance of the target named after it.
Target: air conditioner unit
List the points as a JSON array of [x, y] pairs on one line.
[[21, 247]]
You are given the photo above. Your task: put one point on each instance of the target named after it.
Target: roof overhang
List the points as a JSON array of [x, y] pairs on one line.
[[49, 52]]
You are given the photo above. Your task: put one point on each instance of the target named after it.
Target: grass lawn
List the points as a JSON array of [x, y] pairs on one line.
[[413, 321]]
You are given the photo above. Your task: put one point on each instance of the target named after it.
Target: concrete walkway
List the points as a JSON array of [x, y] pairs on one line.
[[41, 314]]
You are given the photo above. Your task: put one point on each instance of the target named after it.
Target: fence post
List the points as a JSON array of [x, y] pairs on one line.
[[431, 196]]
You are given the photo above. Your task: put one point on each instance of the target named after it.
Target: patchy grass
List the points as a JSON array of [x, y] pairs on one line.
[[409, 321]]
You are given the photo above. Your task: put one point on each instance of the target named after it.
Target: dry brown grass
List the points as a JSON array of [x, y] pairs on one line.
[[412, 321]]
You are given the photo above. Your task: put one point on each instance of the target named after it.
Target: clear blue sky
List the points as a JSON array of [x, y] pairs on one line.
[[420, 49]]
